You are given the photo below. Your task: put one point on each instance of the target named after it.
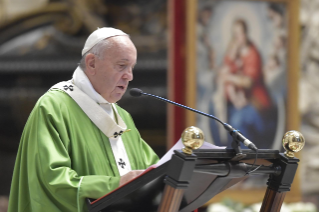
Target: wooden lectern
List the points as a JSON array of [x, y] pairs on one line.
[[192, 180], [188, 181]]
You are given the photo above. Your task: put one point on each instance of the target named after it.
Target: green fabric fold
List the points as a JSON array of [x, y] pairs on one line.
[[64, 158]]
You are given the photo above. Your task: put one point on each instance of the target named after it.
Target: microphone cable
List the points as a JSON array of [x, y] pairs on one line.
[[250, 170]]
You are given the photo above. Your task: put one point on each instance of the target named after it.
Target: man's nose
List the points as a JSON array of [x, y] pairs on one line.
[[128, 75]]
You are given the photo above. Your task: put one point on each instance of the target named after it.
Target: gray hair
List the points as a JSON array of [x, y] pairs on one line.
[[98, 50]]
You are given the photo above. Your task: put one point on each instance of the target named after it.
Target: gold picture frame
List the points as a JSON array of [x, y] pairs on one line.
[[292, 118]]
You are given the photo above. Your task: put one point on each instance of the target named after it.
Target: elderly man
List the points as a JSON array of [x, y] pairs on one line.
[[77, 142]]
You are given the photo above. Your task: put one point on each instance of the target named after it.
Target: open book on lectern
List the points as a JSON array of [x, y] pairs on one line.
[[152, 179], [178, 146]]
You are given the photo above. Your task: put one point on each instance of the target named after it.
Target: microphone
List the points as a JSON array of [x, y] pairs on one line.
[[239, 137], [136, 92], [233, 132]]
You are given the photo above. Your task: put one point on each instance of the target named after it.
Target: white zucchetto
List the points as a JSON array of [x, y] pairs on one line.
[[100, 34]]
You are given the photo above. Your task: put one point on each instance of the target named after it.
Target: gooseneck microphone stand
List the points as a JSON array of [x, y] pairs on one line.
[[235, 134]]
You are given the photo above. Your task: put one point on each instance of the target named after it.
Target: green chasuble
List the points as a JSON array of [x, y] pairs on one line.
[[64, 158]]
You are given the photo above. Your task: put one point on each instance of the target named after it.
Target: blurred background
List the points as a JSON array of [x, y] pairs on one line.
[[40, 45]]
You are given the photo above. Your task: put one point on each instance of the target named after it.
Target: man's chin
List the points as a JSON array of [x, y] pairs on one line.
[[115, 98]]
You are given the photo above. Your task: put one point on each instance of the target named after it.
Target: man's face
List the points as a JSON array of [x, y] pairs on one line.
[[114, 69]]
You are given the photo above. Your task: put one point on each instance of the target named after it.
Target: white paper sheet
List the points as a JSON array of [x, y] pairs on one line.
[[179, 145]]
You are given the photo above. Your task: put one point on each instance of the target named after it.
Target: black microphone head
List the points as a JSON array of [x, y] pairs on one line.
[[136, 92]]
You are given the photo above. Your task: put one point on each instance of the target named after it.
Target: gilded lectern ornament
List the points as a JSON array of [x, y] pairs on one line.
[[192, 138], [293, 141]]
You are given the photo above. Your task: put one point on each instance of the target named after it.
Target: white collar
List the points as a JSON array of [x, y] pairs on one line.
[[95, 112], [82, 81]]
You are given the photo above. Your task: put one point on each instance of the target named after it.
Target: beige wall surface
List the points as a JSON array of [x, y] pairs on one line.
[[12, 8]]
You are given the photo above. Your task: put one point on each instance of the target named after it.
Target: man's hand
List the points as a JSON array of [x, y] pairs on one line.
[[129, 176]]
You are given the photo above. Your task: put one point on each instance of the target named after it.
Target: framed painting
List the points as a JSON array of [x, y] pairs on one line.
[[237, 60]]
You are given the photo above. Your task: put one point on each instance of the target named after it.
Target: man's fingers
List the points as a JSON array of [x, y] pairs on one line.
[[129, 176], [138, 172]]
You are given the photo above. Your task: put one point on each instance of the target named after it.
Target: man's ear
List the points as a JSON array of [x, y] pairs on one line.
[[90, 64]]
